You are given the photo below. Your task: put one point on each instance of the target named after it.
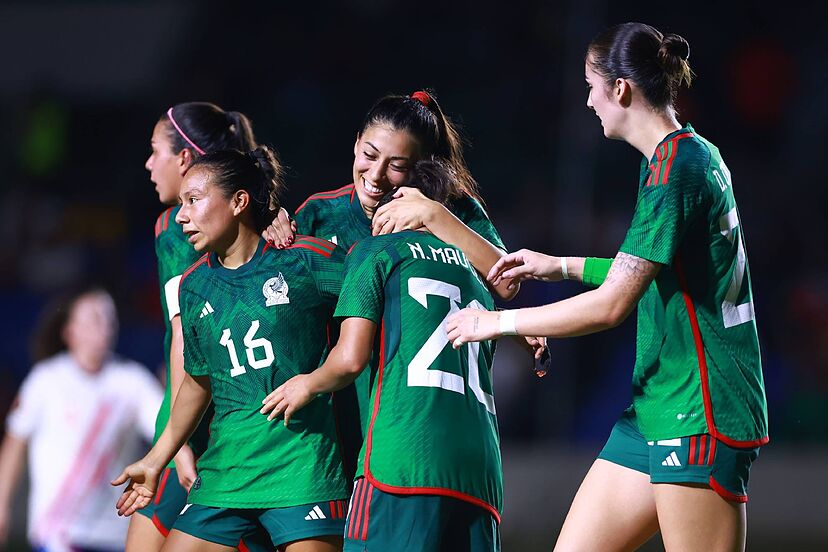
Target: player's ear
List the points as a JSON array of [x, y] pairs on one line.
[[185, 159], [240, 201], [622, 92], [356, 144]]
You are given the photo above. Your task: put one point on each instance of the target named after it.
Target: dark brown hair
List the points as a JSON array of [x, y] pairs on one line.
[[421, 116], [258, 172], [209, 127], [656, 63]]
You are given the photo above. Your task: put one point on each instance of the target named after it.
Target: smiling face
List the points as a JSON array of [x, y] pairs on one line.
[[209, 218], [383, 158], [165, 166], [603, 99]]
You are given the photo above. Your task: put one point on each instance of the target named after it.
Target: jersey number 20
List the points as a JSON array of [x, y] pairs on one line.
[[419, 374]]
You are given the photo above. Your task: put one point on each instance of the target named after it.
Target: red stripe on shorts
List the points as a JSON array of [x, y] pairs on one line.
[[162, 485], [711, 455], [692, 459], [702, 448], [367, 512]]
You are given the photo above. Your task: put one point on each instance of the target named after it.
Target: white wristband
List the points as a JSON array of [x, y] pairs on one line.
[[507, 322], [564, 270]]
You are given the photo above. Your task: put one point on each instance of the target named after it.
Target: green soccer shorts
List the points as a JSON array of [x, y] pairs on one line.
[[379, 521], [229, 526], [167, 502], [691, 459]]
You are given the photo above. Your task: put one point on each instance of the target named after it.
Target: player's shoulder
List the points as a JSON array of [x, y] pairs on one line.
[[128, 369], [196, 271], [328, 197], [468, 207], [309, 246], [680, 159], [165, 224]]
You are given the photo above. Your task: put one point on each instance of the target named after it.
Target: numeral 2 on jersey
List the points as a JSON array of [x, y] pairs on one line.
[[734, 314], [251, 343], [419, 374]]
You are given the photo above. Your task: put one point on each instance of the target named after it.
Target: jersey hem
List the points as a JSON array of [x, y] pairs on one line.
[[409, 490]]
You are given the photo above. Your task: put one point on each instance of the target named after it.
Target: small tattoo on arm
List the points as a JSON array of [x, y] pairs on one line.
[[476, 323]]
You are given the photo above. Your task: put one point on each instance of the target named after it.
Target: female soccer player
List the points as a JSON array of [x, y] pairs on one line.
[[679, 457], [252, 316], [429, 472], [81, 413], [184, 133], [397, 132]]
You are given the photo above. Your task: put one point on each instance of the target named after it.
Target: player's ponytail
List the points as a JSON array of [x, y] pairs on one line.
[[438, 137], [657, 64], [258, 172], [203, 127]]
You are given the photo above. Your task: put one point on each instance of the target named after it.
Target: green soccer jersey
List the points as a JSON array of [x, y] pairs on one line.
[[698, 367], [433, 428], [250, 330], [337, 216], [175, 255]]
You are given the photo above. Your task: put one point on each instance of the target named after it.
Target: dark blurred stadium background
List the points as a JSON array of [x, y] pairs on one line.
[[82, 84]]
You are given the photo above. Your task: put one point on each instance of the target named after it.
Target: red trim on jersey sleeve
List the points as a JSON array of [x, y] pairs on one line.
[[665, 158], [330, 194], [702, 360], [325, 244], [242, 546], [724, 493], [408, 490], [204, 258], [167, 219], [311, 247], [162, 221]]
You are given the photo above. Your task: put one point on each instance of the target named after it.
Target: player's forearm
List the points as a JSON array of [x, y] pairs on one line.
[[595, 310], [348, 359], [339, 370], [188, 408], [479, 251], [12, 459]]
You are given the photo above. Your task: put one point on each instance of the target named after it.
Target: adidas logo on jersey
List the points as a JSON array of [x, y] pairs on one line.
[[315, 513], [672, 460], [208, 309]]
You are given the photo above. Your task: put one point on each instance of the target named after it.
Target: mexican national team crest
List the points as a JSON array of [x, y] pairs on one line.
[[275, 291]]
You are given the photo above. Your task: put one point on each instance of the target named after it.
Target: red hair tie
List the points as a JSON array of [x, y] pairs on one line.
[[422, 97]]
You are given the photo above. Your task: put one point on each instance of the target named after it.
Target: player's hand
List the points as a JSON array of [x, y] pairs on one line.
[[281, 231], [287, 398], [525, 265], [185, 467], [143, 482], [533, 345], [472, 325], [410, 210]]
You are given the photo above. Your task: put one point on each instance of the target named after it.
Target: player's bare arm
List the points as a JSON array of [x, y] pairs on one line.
[[589, 312], [345, 362]]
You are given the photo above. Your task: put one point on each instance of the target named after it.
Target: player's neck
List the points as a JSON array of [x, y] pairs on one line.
[[90, 363], [240, 251], [648, 133]]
